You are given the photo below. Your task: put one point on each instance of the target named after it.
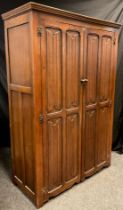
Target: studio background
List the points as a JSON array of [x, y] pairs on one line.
[[111, 10]]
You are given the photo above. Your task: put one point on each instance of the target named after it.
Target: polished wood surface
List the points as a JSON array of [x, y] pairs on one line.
[[98, 98], [61, 79]]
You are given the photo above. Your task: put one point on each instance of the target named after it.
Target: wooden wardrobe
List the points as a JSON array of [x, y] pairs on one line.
[[61, 79]]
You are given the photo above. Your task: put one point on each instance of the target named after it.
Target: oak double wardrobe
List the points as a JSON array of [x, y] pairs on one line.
[[61, 69]]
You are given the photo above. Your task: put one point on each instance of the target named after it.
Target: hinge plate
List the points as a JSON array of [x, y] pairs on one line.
[[39, 30], [114, 41]]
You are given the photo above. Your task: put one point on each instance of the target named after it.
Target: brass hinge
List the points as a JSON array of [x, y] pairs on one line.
[[39, 31], [114, 41], [41, 118]]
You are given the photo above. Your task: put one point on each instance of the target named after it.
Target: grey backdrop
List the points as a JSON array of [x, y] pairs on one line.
[[107, 10]]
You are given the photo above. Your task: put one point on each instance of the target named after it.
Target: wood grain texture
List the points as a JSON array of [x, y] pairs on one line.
[[72, 71], [19, 47], [55, 145], [90, 135], [72, 147], [61, 80], [92, 67], [98, 100], [54, 69]]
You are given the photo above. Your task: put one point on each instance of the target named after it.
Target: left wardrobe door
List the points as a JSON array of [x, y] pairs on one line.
[[62, 105]]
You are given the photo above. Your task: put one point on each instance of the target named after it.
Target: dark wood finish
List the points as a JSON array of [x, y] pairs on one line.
[[99, 45], [61, 80]]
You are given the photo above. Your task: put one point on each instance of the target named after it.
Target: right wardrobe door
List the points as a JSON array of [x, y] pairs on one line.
[[98, 95]]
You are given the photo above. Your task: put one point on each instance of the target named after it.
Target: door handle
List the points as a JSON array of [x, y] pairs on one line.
[[84, 81], [41, 118]]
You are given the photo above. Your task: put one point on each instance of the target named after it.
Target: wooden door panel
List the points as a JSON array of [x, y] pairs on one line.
[[52, 108], [104, 128], [105, 68], [90, 105], [72, 147], [61, 103], [102, 137], [92, 67], [55, 144], [98, 70], [54, 69], [72, 70], [89, 141]]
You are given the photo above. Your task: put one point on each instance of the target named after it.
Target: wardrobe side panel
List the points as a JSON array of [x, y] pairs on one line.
[[19, 73]]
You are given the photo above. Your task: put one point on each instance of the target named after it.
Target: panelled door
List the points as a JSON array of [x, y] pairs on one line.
[[61, 66], [106, 76], [97, 99]]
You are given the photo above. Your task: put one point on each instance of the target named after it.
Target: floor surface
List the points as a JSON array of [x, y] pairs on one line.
[[103, 191]]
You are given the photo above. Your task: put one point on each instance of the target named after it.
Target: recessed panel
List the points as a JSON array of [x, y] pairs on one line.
[[55, 143], [90, 140], [19, 52], [16, 136], [105, 70], [72, 147], [22, 137], [27, 114], [72, 69], [92, 68], [54, 69], [103, 131]]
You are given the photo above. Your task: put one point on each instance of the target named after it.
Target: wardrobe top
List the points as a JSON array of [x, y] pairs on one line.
[[52, 10]]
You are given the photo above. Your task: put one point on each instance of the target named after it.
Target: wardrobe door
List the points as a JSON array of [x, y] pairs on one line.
[[73, 103], [52, 108], [61, 106], [90, 100], [105, 96], [98, 96]]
